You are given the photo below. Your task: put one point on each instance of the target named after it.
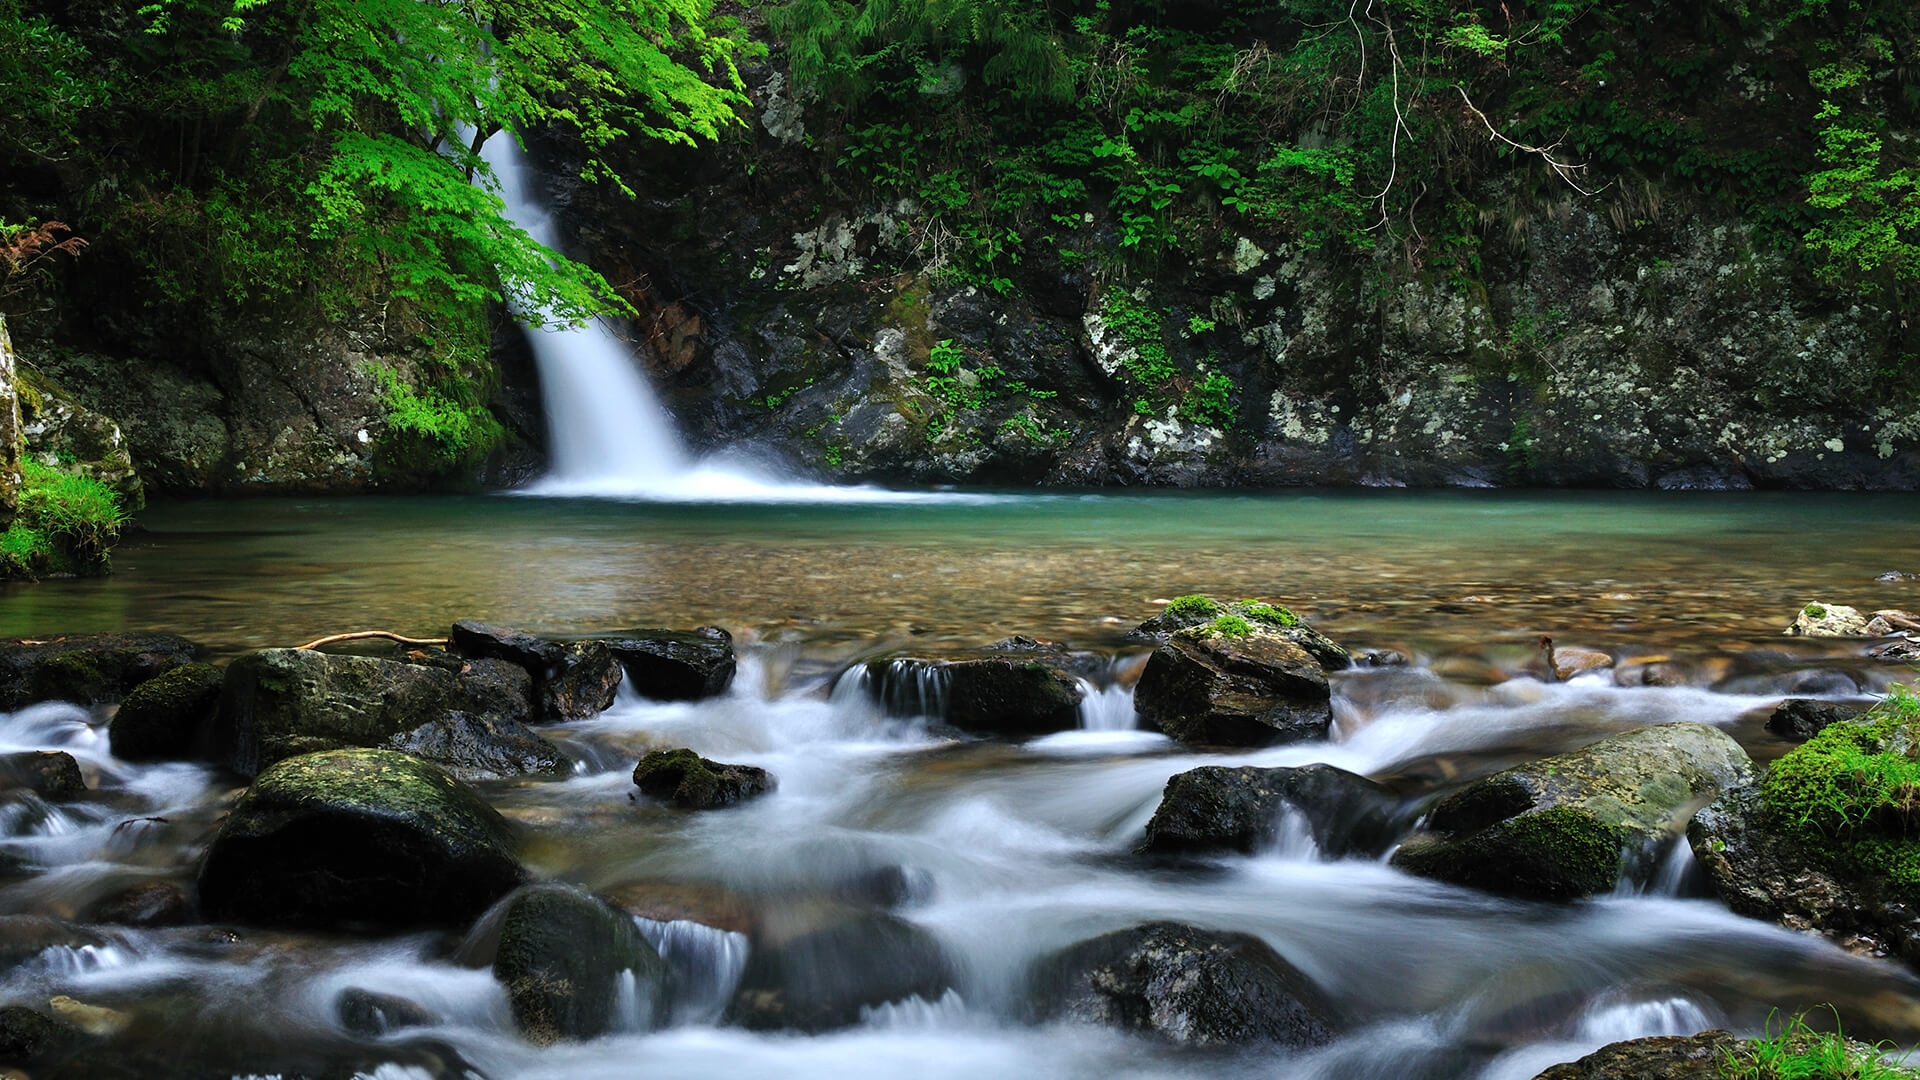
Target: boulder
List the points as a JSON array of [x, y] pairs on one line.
[[814, 968], [50, 774], [675, 665], [1232, 682], [1187, 612], [1219, 808], [1574, 824], [1800, 719], [358, 837], [85, 669], [1660, 1057], [571, 680], [26, 1035], [1190, 986], [1015, 687], [691, 782], [1820, 619], [166, 717], [279, 703], [562, 954]]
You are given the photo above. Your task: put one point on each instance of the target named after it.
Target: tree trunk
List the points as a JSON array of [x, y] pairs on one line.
[[11, 447]]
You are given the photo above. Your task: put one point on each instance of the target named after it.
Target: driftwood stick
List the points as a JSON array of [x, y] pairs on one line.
[[358, 635]]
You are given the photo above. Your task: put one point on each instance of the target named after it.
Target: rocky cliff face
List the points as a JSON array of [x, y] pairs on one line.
[[1670, 350]]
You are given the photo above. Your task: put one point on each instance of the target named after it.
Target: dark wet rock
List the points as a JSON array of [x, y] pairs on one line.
[[372, 1015], [1892, 576], [1187, 612], [23, 937], [27, 1035], [1900, 651], [279, 703], [146, 904], [86, 669], [571, 680], [1383, 657], [675, 665], [1015, 687], [167, 717], [691, 782], [1572, 825], [1661, 1057], [1219, 808], [485, 641], [1800, 719], [358, 836], [562, 953], [814, 969], [1188, 985], [50, 774], [1209, 686]]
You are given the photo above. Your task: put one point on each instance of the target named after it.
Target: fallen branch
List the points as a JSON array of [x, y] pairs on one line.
[[359, 635]]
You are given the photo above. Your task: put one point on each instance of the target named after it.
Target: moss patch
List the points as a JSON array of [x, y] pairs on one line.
[[1232, 626], [1192, 604], [1270, 614], [1850, 796]]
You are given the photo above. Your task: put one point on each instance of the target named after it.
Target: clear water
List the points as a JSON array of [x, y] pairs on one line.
[[1010, 851]]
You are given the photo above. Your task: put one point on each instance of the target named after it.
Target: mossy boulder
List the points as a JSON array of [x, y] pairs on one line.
[[814, 967], [675, 665], [562, 954], [50, 774], [1218, 808], [1016, 687], [1575, 824], [86, 669], [691, 782], [571, 680], [468, 716], [168, 716], [1185, 984], [1187, 612], [1232, 681], [1661, 1057], [347, 837]]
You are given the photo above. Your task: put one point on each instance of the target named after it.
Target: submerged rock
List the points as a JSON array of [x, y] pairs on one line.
[[1820, 619], [50, 774], [146, 904], [86, 669], [166, 717], [812, 968], [1234, 682], [1217, 808], [676, 665], [372, 1015], [691, 782], [358, 836], [23, 937], [1186, 612], [1574, 824], [1800, 719], [562, 954], [1188, 985], [1660, 1057], [1015, 687], [279, 703], [27, 1035]]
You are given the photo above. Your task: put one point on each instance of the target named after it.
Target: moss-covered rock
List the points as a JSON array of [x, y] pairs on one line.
[[1188, 985], [1662, 1057], [358, 837], [1218, 808], [1821, 619], [50, 774], [1575, 824], [279, 703], [1186, 612], [86, 669], [1016, 687], [168, 716], [814, 968], [1234, 681], [691, 782], [676, 665], [562, 954]]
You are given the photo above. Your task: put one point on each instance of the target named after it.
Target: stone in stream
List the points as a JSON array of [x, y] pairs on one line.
[[279, 703], [23, 937], [563, 955], [1899, 651], [85, 669], [1661, 1057], [1821, 619], [1188, 985], [373, 1015], [675, 665], [1218, 808], [1800, 719], [50, 774], [1187, 612], [27, 1035], [166, 717], [145, 904], [1016, 687], [691, 782], [1574, 824], [571, 680], [1234, 682], [814, 967], [347, 837]]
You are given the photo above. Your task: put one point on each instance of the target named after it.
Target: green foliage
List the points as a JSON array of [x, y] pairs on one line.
[[65, 522], [1230, 626], [1268, 613], [1797, 1052], [1851, 794], [1869, 232], [1209, 400], [959, 389], [1191, 604], [437, 430]]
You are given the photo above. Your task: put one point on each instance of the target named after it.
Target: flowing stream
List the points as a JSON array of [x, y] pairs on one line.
[[1002, 852]]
